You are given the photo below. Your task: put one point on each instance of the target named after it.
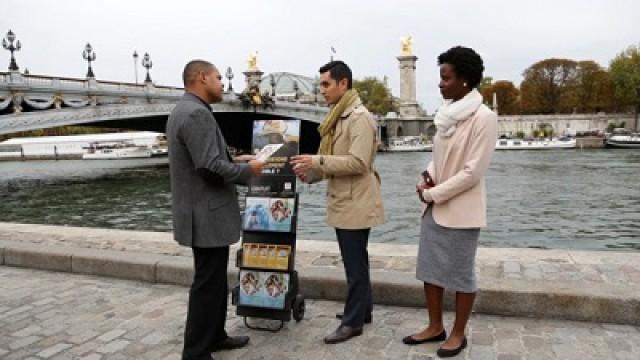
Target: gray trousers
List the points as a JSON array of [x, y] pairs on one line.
[[353, 248]]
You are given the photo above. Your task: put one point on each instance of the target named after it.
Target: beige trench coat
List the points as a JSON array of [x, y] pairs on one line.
[[354, 200]]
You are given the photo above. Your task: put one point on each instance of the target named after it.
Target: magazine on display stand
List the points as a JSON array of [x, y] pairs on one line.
[[263, 289], [268, 214], [268, 282]]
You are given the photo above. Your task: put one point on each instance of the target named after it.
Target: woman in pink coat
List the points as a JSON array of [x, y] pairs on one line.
[[454, 192]]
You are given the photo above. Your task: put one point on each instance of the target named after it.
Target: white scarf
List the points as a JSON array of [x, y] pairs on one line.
[[450, 112]]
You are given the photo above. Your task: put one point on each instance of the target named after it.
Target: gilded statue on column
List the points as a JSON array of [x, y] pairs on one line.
[[253, 61], [407, 44]]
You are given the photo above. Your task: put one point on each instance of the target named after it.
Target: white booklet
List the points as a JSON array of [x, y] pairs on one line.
[[267, 151]]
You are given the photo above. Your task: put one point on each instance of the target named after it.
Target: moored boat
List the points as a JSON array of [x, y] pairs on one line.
[[115, 150], [623, 139], [544, 144], [408, 144]]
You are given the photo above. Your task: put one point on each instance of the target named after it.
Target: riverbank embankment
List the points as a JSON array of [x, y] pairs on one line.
[[601, 286]]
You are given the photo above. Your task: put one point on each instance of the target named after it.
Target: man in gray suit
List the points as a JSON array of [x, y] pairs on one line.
[[206, 215]]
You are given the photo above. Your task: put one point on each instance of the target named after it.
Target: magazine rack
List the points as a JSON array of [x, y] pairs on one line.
[[268, 283]]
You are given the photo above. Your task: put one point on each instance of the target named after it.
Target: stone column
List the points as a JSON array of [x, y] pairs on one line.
[[408, 103], [495, 103]]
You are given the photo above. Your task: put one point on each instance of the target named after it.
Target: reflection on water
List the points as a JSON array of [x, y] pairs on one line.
[[546, 199]]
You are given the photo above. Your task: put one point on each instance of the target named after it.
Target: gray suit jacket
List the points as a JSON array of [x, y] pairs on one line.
[[203, 178]]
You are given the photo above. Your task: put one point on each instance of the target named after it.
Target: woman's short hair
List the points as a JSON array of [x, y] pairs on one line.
[[466, 63]]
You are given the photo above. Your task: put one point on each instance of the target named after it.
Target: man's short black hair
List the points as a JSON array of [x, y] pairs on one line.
[[338, 70], [193, 68], [466, 63]]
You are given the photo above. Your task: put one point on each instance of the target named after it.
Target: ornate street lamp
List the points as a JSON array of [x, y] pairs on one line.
[[7, 43], [89, 55], [135, 64], [229, 75], [295, 90], [272, 82], [147, 63]]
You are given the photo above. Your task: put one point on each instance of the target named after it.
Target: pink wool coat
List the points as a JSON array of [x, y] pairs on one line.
[[458, 166]]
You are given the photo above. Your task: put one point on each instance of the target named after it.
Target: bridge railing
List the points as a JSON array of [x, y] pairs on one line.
[[17, 82]]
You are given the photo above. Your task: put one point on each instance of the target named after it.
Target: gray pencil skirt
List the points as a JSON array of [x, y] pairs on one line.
[[446, 256]]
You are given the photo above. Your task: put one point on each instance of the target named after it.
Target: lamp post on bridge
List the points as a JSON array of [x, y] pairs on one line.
[[229, 75], [296, 89], [147, 63], [7, 43], [135, 65], [89, 55], [272, 82]]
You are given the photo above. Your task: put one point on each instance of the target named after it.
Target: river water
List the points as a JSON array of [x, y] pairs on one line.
[[545, 199]]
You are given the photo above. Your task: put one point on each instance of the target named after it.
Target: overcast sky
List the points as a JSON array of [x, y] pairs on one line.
[[296, 36]]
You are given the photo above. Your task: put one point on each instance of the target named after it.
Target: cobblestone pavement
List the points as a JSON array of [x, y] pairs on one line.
[[46, 315], [578, 267]]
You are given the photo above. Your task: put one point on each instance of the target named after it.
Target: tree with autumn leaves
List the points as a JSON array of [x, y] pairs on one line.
[[548, 87], [556, 86], [507, 95]]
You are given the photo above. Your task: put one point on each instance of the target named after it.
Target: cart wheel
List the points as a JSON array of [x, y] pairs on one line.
[[298, 308]]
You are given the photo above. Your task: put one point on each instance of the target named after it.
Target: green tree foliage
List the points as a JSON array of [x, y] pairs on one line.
[[375, 95], [549, 87], [624, 71]]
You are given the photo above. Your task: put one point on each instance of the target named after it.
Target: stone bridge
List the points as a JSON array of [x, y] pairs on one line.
[[29, 102]]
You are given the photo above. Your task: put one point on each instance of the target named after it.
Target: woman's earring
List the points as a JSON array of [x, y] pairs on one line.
[[465, 84]]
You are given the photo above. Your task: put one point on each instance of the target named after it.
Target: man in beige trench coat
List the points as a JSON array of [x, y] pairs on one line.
[[354, 202]]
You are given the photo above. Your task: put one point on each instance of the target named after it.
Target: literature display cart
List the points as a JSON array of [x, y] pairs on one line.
[[268, 282]]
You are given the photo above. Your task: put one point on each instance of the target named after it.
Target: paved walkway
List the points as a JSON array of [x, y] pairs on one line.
[[48, 315]]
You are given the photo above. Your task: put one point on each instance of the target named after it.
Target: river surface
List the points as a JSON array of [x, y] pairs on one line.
[[561, 199]]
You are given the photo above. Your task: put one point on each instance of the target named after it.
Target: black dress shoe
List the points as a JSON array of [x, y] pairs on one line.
[[231, 342], [445, 353], [410, 340], [367, 319], [342, 333]]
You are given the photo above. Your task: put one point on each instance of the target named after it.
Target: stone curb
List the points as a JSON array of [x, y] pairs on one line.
[[513, 297]]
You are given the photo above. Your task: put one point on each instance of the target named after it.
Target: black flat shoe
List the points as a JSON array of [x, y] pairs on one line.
[[367, 319], [445, 353], [231, 342], [410, 340]]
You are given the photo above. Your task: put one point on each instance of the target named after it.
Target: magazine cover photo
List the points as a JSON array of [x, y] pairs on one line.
[[269, 214]]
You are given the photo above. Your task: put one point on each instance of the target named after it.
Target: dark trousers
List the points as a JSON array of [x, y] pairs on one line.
[[353, 248], [207, 312]]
